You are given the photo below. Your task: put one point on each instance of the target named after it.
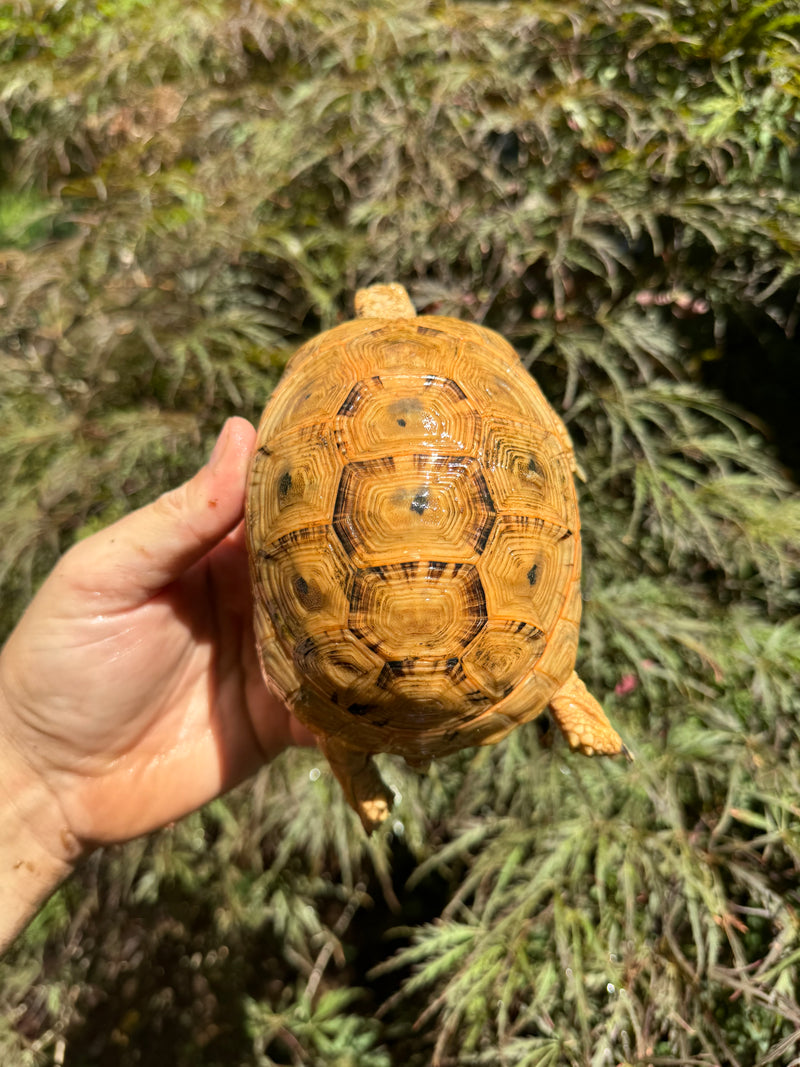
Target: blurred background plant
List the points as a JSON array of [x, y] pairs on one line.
[[190, 189]]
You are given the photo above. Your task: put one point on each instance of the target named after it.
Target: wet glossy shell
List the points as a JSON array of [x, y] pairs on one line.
[[414, 538]]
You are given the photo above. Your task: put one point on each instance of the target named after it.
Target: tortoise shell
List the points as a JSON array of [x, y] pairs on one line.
[[414, 542]]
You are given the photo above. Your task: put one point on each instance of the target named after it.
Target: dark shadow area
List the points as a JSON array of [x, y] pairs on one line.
[[163, 987]]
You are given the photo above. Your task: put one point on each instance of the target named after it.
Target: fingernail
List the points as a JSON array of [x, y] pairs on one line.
[[220, 447]]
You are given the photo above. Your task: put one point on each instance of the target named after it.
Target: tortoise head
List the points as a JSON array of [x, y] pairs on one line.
[[384, 302]]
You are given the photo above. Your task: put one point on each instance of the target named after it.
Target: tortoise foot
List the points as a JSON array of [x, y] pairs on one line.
[[364, 789], [583, 722]]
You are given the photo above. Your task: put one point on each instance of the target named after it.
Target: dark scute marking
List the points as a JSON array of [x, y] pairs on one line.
[[447, 384], [436, 568], [306, 647], [356, 600], [385, 678], [344, 496], [565, 535], [401, 422], [264, 451], [334, 698], [483, 489], [358, 709], [350, 402], [285, 483], [483, 534], [454, 670], [308, 595], [476, 607], [429, 330], [400, 668], [532, 575], [420, 502], [483, 531], [533, 466]]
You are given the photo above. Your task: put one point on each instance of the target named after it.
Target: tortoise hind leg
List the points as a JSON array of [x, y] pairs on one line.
[[364, 789], [583, 722]]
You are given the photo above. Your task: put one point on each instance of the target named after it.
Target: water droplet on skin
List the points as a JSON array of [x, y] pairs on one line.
[[314, 774]]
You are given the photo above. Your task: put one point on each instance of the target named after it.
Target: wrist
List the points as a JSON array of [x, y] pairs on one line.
[[37, 849]]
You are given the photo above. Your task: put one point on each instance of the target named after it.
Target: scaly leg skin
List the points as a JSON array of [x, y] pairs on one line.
[[583, 722], [364, 789]]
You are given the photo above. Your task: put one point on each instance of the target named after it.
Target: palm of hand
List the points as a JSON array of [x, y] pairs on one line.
[[133, 679]]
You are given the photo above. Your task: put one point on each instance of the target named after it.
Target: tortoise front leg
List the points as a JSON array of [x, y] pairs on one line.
[[364, 789], [583, 722]]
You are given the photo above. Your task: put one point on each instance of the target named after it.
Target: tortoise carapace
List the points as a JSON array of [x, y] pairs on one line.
[[414, 546]]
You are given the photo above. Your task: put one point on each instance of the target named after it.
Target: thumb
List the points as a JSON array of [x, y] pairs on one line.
[[134, 558]]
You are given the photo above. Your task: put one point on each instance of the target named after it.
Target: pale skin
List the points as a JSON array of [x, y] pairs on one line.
[[130, 691]]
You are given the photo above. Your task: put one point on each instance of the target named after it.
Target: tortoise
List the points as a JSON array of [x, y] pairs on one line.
[[414, 546]]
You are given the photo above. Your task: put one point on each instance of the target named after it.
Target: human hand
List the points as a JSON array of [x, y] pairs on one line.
[[130, 691]]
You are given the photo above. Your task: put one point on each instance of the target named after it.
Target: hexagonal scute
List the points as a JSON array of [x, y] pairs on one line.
[[413, 611], [528, 570], [502, 387], [310, 392], [501, 655], [395, 414], [293, 483], [413, 508], [341, 667], [306, 578], [529, 697], [429, 694], [527, 471]]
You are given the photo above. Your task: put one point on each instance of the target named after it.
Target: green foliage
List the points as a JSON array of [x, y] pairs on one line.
[[189, 190]]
